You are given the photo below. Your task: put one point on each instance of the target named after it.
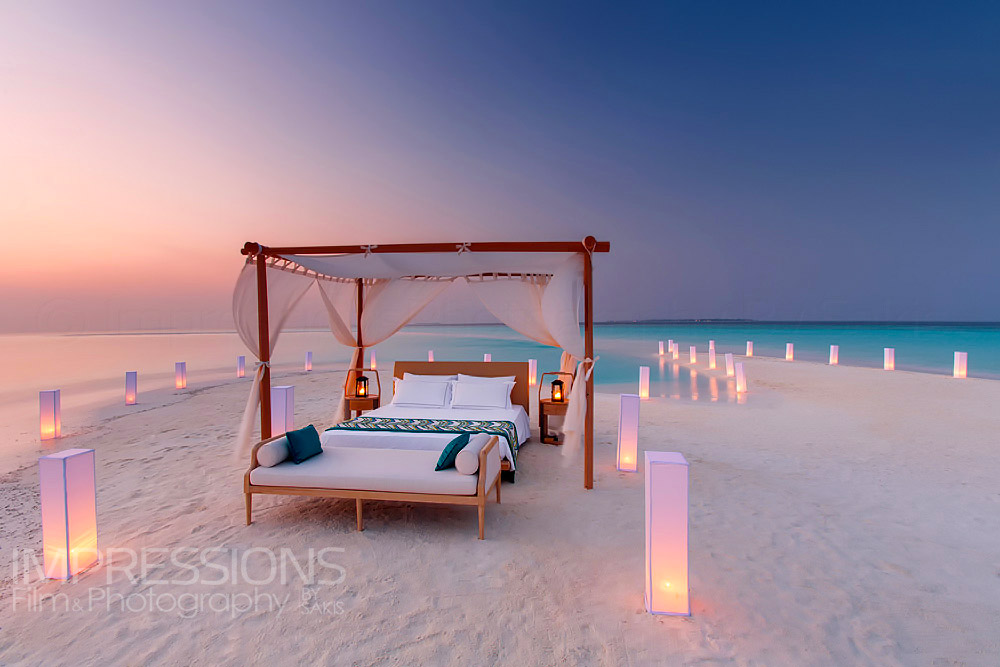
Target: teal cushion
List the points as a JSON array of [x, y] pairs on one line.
[[303, 444], [447, 458]]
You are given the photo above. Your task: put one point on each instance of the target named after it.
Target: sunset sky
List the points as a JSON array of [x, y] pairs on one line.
[[794, 161]]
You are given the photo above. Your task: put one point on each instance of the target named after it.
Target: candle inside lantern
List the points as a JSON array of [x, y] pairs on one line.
[[131, 382], [741, 379], [730, 368], [711, 358], [666, 566], [693, 354], [557, 391], [834, 355], [961, 365], [889, 359], [749, 348], [628, 432], [68, 491], [309, 361], [180, 375], [282, 409], [430, 355], [789, 352], [532, 372], [361, 386], [661, 348], [49, 414], [241, 366], [643, 381], [487, 357]]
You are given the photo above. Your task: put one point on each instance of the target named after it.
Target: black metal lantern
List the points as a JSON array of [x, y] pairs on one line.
[[557, 391], [361, 386]]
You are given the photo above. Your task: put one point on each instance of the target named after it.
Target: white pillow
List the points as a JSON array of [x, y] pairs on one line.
[[274, 452], [481, 395], [421, 394], [482, 378], [429, 378], [467, 461]]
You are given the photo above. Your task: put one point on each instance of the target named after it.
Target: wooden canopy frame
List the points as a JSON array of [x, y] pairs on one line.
[[585, 248]]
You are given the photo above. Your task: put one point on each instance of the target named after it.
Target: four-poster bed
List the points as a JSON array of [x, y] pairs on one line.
[[533, 287]]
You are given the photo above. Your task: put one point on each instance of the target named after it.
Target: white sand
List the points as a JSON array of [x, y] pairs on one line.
[[842, 516]]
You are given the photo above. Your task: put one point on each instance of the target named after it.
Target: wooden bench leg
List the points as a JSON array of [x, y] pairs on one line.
[[498, 490], [482, 518], [361, 521], [249, 499]]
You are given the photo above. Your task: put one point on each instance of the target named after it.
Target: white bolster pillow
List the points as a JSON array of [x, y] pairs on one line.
[[273, 453], [467, 461]]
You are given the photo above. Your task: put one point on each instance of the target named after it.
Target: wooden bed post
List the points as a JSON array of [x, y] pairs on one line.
[[589, 244], [265, 345], [361, 308]]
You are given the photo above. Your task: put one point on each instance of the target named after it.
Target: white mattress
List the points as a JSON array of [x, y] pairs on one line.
[[428, 441]]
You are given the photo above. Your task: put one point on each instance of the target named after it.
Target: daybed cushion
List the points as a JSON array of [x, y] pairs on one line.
[[303, 444], [362, 468], [272, 453], [450, 451], [467, 461]]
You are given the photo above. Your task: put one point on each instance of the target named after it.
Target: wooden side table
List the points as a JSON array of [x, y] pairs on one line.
[[547, 407], [357, 404]]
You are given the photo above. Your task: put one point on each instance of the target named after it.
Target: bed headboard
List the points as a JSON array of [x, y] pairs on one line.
[[519, 369]]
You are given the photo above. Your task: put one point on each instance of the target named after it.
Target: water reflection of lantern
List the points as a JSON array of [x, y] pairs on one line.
[[749, 348], [532, 372], [282, 409], [643, 381], [241, 366], [309, 361], [693, 354], [49, 414], [834, 355], [961, 364], [557, 391], [628, 432], [666, 567], [741, 379], [430, 355], [789, 352], [180, 375], [889, 359], [487, 357], [68, 491], [713, 387], [730, 368], [131, 382]]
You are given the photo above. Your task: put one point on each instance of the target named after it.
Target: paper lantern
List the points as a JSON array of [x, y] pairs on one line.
[[241, 366], [430, 355], [676, 352], [730, 368], [749, 348], [628, 432], [666, 571], [487, 357], [131, 382], [789, 352], [711, 358], [282, 409], [834, 355], [661, 348], [68, 490], [711, 345], [558, 396], [532, 372], [741, 379], [180, 375], [309, 361], [49, 414], [643, 381], [693, 354], [889, 359], [374, 364], [361, 386], [961, 364]]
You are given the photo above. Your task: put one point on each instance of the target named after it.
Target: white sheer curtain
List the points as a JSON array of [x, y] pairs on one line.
[[284, 290]]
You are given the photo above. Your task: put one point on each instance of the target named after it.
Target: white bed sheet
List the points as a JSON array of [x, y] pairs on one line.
[[428, 441]]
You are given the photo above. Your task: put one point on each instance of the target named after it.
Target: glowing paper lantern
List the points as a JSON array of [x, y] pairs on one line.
[[374, 364], [889, 359], [741, 379], [676, 352], [693, 354], [241, 366], [282, 409], [961, 364], [180, 375], [628, 433], [309, 361], [430, 355], [730, 368], [711, 345], [131, 382], [532, 372], [49, 414], [487, 357], [749, 348], [834, 355], [643, 381], [661, 348], [789, 352], [711, 358], [68, 491], [666, 571]]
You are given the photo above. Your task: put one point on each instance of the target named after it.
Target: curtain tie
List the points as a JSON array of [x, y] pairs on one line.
[[368, 249], [262, 363], [463, 247], [590, 366]]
